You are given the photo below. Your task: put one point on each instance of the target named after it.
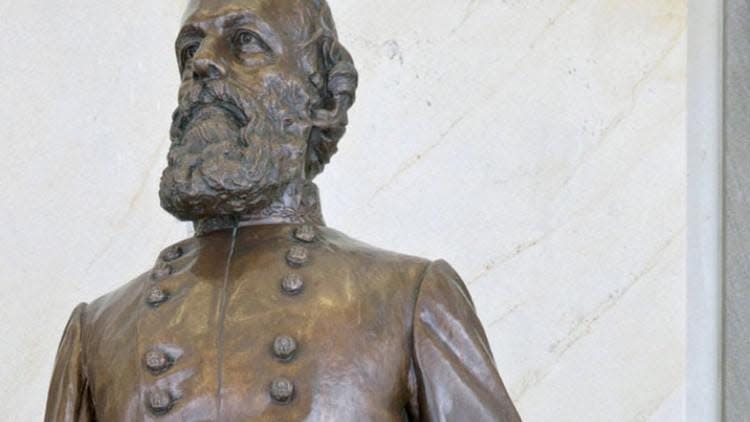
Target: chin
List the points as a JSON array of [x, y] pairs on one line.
[[197, 200]]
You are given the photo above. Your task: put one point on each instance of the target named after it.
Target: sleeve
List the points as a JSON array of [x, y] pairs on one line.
[[453, 371], [69, 397]]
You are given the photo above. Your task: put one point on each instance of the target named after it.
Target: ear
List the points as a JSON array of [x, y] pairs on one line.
[[337, 81], [339, 85]]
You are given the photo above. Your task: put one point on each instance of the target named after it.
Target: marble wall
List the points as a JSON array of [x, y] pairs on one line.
[[536, 145]]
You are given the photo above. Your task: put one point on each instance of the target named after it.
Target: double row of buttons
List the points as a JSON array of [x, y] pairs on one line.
[[157, 361]]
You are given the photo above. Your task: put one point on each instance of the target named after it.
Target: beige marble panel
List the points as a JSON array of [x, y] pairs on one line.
[[536, 145]]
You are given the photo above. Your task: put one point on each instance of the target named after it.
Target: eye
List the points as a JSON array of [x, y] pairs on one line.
[[188, 52], [248, 42]]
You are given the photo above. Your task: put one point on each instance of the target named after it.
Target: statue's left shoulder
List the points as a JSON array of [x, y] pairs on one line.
[[372, 263]]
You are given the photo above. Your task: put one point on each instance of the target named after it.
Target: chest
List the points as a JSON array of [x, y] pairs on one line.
[[262, 343]]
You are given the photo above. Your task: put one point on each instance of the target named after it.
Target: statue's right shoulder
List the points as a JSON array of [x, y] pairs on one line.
[[124, 301]]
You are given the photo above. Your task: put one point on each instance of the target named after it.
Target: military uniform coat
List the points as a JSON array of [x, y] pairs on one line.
[[280, 323]]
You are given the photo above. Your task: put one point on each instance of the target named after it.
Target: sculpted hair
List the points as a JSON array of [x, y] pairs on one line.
[[334, 75]]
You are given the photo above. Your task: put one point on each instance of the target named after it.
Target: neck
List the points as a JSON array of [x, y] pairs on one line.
[[297, 205]]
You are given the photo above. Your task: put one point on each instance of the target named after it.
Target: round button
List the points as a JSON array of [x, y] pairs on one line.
[[284, 347], [157, 362], [159, 401], [297, 256], [282, 390], [156, 296], [292, 284], [172, 253], [161, 271], [305, 233]]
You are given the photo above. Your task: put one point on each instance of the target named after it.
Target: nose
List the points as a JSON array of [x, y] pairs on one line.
[[207, 69]]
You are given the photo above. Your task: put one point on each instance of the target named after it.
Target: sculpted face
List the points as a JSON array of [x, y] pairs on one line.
[[263, 100]]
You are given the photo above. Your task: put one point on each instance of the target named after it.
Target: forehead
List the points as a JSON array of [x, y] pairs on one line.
[[277, 11]]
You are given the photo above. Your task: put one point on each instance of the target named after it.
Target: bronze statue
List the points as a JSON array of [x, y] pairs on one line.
[[267, 314]]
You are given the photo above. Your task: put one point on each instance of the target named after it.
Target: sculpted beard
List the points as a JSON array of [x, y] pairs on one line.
[[233, 153]]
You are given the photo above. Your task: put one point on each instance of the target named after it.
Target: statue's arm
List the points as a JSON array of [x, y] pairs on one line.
[[454, 373], [69, 398]]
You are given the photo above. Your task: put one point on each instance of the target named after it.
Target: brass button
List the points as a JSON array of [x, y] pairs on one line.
[[172, 254], [161, 271], [305, 233], [156, 296], [284, 347], [297, 256], [292, 284], [282, 390], [159, 401], [157, 362]]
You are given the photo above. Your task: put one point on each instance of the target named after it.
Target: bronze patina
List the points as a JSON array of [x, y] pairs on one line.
[[266, 314]]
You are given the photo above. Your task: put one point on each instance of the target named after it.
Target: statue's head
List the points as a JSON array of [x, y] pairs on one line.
[[265, 91]]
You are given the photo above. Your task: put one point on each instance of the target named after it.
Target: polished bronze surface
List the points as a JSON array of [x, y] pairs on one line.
[[267, 314]]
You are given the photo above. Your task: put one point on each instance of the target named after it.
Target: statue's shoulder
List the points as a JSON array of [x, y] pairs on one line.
[[346, 243], [125, 300], [368, 258]]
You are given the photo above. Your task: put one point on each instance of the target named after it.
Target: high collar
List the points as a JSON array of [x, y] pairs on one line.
[[308, 212]]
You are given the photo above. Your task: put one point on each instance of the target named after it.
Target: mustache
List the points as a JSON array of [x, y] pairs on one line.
[[199, 96]]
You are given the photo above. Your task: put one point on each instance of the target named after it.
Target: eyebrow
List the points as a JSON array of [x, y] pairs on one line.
[[241, 18], [190, 30], [229, 21]]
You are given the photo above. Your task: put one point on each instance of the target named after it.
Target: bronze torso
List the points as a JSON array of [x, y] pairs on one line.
[[280, 323]]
